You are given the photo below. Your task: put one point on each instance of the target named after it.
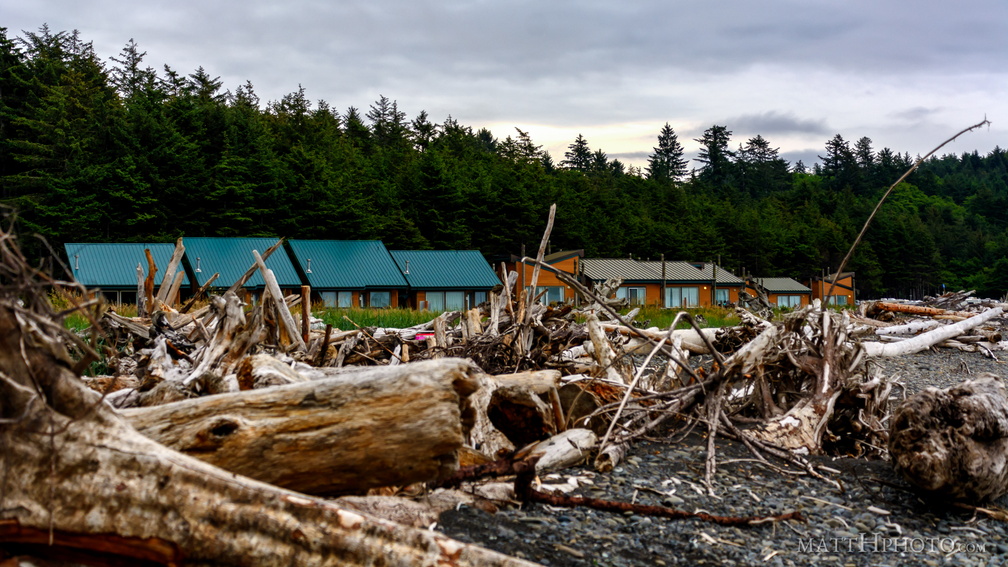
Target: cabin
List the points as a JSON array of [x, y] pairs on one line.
[[549, 287], [843, 293], [669, 284], [445, 280], [231, 258], [111, 269], [782, 292], [349, 273]]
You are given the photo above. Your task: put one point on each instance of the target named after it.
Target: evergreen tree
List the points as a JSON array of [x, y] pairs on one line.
[[667, 163], [578, 155], [715, 156]]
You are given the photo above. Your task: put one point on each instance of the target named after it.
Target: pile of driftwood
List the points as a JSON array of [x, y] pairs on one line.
[[233, 427]]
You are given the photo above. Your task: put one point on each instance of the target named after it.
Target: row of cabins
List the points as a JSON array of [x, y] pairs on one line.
[[674, 283], [364, 273]]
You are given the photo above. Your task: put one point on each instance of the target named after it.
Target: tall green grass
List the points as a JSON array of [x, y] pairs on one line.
[[393, 318], [651, 316]]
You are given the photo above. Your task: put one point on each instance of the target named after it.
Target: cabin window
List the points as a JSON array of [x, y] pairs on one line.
[[380, 299], [682, 296], [633, 295], [553, 294], [788, 301]]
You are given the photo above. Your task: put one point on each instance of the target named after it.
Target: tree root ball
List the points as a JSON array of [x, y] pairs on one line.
[[953, 443]]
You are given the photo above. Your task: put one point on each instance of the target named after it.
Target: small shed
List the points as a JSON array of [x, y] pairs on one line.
[[445, 280], [111, 268], [349, 273]]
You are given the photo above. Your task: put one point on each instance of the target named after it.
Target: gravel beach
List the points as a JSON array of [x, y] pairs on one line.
[[872, 519]]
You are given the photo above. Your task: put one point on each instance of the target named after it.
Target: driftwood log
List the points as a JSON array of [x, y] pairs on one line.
[[953, 443], [81, 484], [384, 426]]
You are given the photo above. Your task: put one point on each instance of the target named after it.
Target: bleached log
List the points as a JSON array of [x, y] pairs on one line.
[[953, 443], [911, 328], [603, 352], [691, 340], [926, 340], [355, 431], [563, 450]]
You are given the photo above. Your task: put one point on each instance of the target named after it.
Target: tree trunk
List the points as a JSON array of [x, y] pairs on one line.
[[953, 443], [387, 426]]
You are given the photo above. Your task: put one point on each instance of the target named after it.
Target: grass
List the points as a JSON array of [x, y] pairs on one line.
[[652, 316], [394, 318]]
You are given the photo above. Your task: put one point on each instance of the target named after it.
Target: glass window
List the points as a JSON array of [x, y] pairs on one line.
[[344, 299], [380, 299], [435, 301], [682, 296], [454, 300], [553, 294], [838, 299], [633, 295], [788, 301], [721, 296], [328, 298], [479, 297]]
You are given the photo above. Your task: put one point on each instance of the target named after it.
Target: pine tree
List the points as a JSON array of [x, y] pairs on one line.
[[667, 163], [578, 156]]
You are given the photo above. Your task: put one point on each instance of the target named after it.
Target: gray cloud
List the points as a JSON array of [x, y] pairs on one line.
[[897, 74], [774, 122]]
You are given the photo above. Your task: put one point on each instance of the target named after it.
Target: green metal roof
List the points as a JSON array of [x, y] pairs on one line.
[[445, 269], [232, 257], [113, 265], [346, 264]]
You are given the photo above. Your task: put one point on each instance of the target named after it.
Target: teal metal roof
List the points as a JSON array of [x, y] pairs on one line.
[[445, 269], [346, 264], [113, 265], [232, 257]]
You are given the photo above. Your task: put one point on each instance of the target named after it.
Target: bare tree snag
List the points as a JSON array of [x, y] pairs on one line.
[[290, 327], [382, 427], [953, 443], [168, 280]]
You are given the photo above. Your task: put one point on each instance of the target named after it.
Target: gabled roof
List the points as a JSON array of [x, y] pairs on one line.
[[679, 271], [445, 269], [113, 265], [232, 257], [724, 277], [346, 264], [782, 285], [626, 269]]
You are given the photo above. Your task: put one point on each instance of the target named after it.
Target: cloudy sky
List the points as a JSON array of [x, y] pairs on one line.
[[906, 74]]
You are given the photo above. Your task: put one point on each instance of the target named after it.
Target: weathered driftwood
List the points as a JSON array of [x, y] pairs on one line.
[[953, 443], [926, 340], [78, 479], [289, 328], [381, 427], [525, 407], [881, 306], [562, 450]]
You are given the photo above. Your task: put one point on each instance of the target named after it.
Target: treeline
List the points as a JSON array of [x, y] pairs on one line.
[[91, 151]]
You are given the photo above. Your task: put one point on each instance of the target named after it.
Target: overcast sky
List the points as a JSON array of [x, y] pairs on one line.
[[906, 74]]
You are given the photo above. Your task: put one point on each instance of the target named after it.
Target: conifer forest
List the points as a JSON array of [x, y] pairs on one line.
[[99, 148]]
